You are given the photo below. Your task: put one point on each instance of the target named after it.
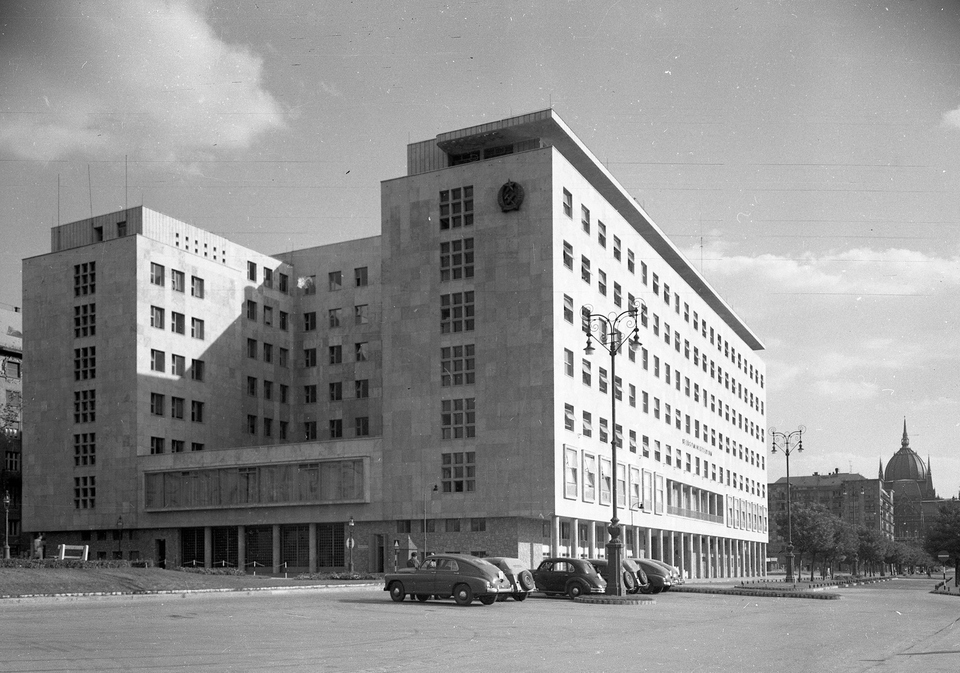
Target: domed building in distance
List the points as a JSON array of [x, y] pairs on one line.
[[911, 482]]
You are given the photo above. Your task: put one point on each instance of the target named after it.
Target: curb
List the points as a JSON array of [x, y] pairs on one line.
[[183, 593], [631, 599]]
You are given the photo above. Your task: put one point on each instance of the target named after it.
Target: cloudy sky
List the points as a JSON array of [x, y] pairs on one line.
[[805, 155]]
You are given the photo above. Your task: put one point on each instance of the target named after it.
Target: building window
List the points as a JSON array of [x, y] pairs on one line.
[[458, 472], [177, 281], [617, 295], [310, 394], [335, 281], [602, 282], [252, 424], [196, 411], [178, 322], [456, 259], [567, 203], [362, 387], [457, 365], [176, 446], [587, 424], [336, 428], [252, 386], [84, 449], [156, 404], [283, 430], [284, 393], [309, 321], [362, 426], [283, 357], [589, 477], [310, 357], [268, 427], [478, 525], [308, 284], [458, 418], [268, 390], [156, 274], [196, 287], [585, 269], [157, 445], [252, 349], [571, 473], [251, 271], [84, 320], [456, 312], [84, 406], [360, 276], [336, 391], [456, 207], [585, 219], [605, 481], [335, 315], [568, 362], [196, 446], [284, 283], [631, 264], [586, 375], [268, 353], [283, 321], [85, 279], [176, 407], [361, 314], [360, 351], [197, 368], [568, 255], [156, 317], [568, 308], [568, 417], [267, 277], [336, 354], [196, 328], [616, 248], [157, 361], [85, 492]]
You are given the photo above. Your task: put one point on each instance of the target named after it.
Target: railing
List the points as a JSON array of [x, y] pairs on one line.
[[694, 514]]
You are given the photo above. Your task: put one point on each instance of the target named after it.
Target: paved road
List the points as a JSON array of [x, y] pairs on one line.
[[893, 626]]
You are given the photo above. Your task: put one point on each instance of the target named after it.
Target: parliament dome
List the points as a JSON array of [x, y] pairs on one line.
[[905, 464]]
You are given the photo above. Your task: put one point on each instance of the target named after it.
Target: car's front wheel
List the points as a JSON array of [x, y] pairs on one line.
[[519, 596], [396, 592], [488, 600], [463, 594], [575, 590], [423, 598]]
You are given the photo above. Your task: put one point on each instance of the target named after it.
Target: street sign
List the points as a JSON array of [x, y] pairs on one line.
[[944, 556]]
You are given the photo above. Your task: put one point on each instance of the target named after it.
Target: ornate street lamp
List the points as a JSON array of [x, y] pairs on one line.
[[119, 535], [787, 442], [611, 332], [6, 524]]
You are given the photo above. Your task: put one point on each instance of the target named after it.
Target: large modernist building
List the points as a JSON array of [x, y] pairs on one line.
[[194, 401], [11, 396]]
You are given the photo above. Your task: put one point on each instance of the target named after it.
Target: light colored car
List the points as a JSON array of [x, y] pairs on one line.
[[658, 575], [444, 575], [517, 573]]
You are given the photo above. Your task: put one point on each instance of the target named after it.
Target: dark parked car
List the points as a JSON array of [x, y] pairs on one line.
[[517, 573], [445, 575], [675, 577], [658, 575], [570, 576], [634, 578]]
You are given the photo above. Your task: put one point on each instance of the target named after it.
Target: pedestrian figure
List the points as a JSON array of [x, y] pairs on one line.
[[412, 561]]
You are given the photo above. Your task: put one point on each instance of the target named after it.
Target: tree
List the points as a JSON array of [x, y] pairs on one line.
[[846, 544], [943, 535], [872, 548], [813, 532]]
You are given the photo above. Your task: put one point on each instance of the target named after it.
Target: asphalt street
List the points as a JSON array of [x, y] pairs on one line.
[[892, 626]]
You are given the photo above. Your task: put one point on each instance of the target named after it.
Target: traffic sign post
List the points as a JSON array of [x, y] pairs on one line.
[[944, 557]]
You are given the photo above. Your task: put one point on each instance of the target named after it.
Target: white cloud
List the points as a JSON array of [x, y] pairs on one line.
[[149, 78], [952, 118]]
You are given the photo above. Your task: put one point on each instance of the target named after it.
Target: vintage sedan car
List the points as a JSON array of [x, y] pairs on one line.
[[659, 576], [634, 578], [676, 578], [517, 573], [571, 576], [444, 575]]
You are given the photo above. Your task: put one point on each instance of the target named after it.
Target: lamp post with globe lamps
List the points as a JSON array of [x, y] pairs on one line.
[[6, 524], [788, 442], [605, 330]]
